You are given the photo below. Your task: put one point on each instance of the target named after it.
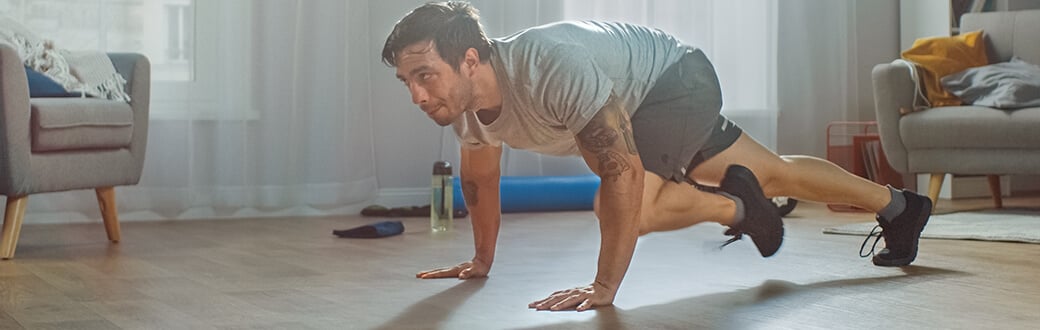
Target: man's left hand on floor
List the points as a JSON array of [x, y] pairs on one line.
[[581, 298]]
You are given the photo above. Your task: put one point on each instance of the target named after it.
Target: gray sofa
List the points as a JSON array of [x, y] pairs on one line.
[[968, 140], [58, 144]]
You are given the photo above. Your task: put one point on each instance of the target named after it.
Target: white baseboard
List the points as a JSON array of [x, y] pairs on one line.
[[395, 197]]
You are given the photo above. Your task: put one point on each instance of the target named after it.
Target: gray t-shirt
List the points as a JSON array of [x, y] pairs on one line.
[[554, 78]]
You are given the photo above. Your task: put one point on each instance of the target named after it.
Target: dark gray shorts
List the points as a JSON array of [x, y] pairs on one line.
[[678, 125]]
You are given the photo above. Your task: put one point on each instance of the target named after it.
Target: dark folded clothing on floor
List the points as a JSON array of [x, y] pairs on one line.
[[375, 230]]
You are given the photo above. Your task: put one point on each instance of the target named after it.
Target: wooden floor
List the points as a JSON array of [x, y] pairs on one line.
[[293, 274]]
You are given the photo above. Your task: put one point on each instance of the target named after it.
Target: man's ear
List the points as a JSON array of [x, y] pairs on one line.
[[471, 59]]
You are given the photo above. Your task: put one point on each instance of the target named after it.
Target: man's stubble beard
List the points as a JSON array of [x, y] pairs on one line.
[[463, 93]]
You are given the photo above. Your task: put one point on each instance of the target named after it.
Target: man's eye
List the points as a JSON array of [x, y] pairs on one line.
[[425, 76]]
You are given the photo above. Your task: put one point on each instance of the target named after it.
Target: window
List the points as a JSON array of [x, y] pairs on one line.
[[183, 39], [117, 26], [177, 52]]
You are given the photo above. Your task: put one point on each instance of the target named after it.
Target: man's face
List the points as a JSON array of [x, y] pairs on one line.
[[441, 92]]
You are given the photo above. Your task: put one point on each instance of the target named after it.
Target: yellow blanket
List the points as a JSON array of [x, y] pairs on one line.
[[940, 56]]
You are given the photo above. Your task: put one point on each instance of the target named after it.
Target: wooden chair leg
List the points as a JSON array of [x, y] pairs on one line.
[[106, 197], [13, 215], [934, 186], [994, 188]]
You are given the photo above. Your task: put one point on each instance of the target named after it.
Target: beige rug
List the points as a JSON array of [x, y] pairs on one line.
[[1009, 225]]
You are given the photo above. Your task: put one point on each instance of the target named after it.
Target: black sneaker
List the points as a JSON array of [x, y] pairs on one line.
[[784, 205], [903, 233], [761, 220]]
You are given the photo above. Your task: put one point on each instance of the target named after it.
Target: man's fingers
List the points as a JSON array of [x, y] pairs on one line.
[[558, 301], [438, 273], [454, 271], [585, 305], [425, 273], [568, 303], [580, 299], [537, 303], [545, 303]]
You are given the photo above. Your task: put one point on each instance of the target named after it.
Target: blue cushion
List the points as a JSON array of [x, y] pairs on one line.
[[41, 85]]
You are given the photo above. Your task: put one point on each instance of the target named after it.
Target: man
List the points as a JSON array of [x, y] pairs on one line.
[[642, 109]]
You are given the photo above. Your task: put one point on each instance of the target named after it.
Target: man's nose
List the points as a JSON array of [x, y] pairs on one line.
[[419, 95]]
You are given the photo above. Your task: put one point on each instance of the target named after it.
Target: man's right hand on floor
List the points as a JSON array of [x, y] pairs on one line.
[[465, 270]]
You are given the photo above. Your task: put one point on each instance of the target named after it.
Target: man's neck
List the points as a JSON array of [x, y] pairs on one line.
[[489, 96]]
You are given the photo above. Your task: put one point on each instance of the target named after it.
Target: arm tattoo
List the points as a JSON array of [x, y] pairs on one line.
[[599, 134], [600, 137], [612, 164], [626, 131], [469, 192]]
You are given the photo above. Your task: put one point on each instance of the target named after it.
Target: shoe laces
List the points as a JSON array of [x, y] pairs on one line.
[[737, 235], [877, 237]]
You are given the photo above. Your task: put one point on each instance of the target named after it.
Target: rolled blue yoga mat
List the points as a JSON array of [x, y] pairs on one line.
[[541, 193]]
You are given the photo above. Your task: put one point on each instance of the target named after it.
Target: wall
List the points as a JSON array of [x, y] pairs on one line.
[[828, 49], [923, 18], [877, 32]]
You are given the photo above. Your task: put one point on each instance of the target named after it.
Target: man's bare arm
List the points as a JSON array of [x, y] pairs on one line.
[[608, 147], [480, 174]]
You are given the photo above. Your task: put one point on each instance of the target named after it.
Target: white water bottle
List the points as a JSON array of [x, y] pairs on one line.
[[441, 198]]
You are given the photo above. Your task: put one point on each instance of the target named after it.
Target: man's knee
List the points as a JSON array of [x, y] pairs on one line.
[[645, 223], [644, 228], [776, 179], [645, 213]]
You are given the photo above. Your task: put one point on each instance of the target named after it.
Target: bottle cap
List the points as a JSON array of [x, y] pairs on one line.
[[442, 168]]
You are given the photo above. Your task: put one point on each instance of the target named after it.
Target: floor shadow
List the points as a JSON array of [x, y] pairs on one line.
[[433, 310], [715, 311]]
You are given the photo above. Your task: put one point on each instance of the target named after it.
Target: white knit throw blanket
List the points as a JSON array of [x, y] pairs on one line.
[[86, 72]]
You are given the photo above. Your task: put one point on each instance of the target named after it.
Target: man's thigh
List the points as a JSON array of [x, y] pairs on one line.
[[744, 151], [677, 117]]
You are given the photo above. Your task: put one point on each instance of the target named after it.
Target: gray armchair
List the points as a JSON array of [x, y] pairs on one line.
[[59, 144], [968, 139]]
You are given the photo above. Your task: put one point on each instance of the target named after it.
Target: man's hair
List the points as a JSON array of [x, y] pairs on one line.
[[453, 26]]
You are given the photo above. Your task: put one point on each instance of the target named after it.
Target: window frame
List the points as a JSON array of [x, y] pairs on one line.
[[219, 88]]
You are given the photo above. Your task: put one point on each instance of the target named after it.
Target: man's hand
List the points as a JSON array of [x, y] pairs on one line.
[[581, 298], [465, 270]]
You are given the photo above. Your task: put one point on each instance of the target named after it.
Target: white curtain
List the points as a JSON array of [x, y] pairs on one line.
[[279, 115], [739, 37], [820, 74], [275, 121]]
